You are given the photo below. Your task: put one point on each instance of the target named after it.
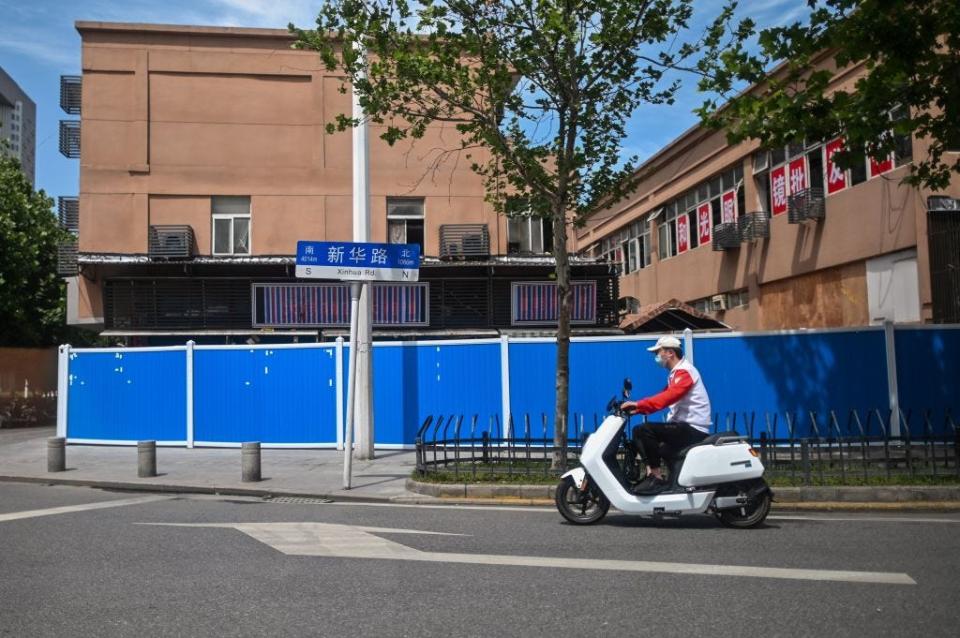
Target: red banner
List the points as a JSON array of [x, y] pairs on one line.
[[704, 222], [876, 168], [778, 190], [798, 175], [683, 234], [728, 207], [836, 176]]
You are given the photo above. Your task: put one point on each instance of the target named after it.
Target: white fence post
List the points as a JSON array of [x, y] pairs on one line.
[[190, 345], [688, 344], [63, 385], [339, 387], [890, 345], [505, 383]]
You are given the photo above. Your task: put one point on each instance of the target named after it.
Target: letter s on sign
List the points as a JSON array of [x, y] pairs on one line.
[[309, 270]]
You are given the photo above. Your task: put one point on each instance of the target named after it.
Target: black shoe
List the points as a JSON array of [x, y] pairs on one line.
[[651, 485]]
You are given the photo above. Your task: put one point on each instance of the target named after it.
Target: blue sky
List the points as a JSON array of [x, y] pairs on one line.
[[38, 43]]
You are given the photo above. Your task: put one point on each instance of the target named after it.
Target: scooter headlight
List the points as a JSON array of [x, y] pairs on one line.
[[754, 453]]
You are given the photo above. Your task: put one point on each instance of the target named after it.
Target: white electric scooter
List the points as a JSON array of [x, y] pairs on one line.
[[721, 475]]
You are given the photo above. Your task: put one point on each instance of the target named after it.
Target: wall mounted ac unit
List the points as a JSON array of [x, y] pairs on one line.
[[718, 302]]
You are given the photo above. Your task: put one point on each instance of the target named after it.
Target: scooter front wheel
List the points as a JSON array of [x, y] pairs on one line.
[[580, 507]]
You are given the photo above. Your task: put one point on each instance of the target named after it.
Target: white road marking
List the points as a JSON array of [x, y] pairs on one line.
[[67, 509], [863, 519], [348, 541]]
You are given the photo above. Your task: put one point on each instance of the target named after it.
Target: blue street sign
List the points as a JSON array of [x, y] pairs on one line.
[[354, 261]]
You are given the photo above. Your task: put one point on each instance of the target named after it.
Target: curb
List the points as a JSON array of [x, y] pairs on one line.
[[167, 488], [943, 497]]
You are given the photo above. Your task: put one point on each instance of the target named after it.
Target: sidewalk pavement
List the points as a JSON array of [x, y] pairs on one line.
[[307, 472], [319, 474]]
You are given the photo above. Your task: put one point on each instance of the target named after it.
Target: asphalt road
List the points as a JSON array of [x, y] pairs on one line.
[[203, 566]]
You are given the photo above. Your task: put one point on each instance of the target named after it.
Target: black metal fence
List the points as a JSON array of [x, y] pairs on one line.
[[805, 449]]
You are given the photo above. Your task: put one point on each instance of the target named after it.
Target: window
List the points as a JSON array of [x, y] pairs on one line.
[[231, 225], [405, 220], [667, 232], [815, 172], [636, 248], [903, 143], [529, 235]]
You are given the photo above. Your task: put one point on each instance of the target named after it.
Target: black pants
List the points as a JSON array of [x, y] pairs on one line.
[[674, 437]]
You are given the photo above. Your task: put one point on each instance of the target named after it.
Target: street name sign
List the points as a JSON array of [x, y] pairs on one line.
[[356, 261]]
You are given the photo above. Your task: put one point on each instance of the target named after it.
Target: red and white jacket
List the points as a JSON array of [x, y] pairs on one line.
[[686, 396]]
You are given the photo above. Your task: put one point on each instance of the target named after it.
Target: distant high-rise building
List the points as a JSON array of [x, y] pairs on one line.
[[18, 123]]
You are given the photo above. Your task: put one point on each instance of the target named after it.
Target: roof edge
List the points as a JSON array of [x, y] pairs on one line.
[[83, 26]]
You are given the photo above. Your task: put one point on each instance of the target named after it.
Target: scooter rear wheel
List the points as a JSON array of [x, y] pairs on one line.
[[580, 507], [751, 515]]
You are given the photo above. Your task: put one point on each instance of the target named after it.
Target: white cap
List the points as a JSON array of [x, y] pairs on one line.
[[666, 342]]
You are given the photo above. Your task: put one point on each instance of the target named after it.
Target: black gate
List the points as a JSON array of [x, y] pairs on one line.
[[943, 234]]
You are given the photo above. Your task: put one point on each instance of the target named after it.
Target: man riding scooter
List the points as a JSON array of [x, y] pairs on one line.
[[688, 421]]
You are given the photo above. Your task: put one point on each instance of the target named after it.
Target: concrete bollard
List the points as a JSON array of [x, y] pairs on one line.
[[146, 459], [250, 458], [56, 454]]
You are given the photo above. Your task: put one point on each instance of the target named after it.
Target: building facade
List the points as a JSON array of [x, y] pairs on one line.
[[204, 159], [18, 124], [783, 238]]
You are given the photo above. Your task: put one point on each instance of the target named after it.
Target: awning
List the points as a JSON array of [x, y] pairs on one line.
[[669, 316]]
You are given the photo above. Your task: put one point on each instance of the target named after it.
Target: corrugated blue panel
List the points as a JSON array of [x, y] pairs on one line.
[[127, 396], [928, 376], [412, 382], [597, 371], [798, 373], [287, 395]]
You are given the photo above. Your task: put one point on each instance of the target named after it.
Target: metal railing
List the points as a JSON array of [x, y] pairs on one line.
[[170, 242], [726, 236], [461, 241], [67, 264], [68, 209], [803, 448], [806, 204], [70, 139], [71, 87], [753, 226]]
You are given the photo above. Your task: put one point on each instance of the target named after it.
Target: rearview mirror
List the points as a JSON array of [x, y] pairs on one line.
[[627, 386]]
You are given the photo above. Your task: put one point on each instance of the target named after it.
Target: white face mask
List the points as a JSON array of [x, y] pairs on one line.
[[660, 361]]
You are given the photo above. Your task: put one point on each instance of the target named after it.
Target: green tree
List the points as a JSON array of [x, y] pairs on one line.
[[911, 50], [32, 301], [540, 91]]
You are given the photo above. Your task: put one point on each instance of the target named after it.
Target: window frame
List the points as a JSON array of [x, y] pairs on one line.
[[406, 218], [214, 217], [529, 221]]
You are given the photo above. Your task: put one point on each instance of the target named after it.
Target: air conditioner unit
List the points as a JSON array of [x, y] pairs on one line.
[[718, 303]]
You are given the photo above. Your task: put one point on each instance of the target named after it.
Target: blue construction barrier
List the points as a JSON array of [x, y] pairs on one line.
[[810, 382]]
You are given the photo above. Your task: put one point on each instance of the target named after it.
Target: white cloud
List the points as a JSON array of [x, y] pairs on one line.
[[269, 13]]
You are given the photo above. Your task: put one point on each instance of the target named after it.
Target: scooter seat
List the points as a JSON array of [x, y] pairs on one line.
[[710, 440]]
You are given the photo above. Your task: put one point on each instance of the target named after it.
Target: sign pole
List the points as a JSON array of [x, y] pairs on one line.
[[351, 387], [361, 233]]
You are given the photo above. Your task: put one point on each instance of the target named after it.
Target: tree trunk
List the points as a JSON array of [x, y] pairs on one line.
[[563, 339]]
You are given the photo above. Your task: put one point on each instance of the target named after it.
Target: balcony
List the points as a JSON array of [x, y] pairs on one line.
[[67, 265], [69, 213], [70, 90], [805, 205], [170, 242], [726, 236], [70, 139], [464, 241], [753, 226]]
